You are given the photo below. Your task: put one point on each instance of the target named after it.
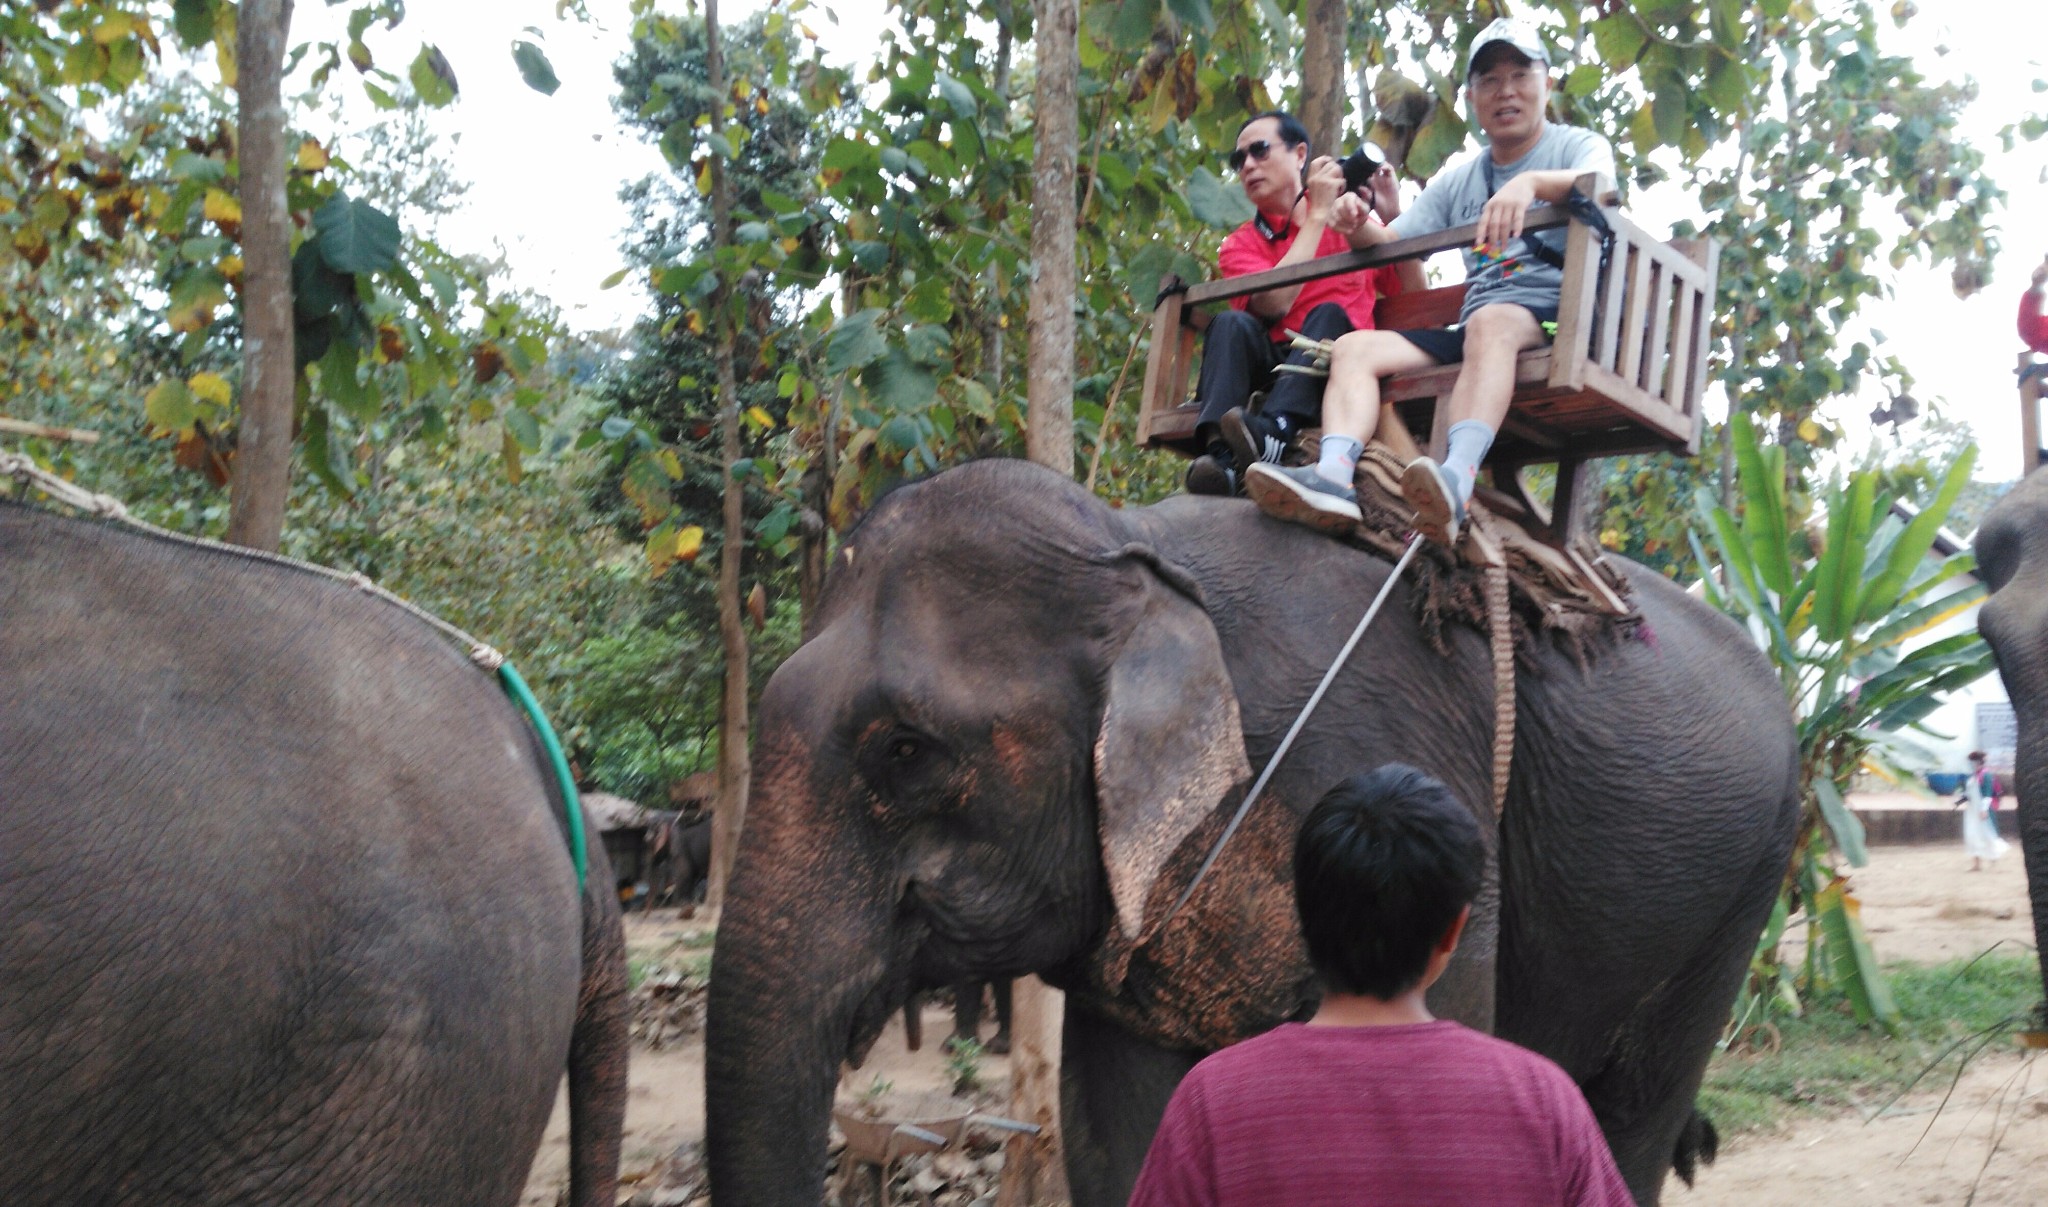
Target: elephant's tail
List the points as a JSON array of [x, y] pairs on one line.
[[1698, 1144], [597, 1048]]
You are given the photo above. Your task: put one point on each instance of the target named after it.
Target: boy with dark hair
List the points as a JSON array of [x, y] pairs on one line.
[[1373, 1101]]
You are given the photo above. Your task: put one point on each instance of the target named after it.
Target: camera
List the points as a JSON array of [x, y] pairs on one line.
[[1359, 166]]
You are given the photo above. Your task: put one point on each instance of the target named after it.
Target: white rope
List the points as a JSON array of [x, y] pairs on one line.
[[1293, 731], [28, 473]]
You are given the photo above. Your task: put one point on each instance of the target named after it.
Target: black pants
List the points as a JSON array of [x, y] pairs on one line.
[[1239, 356]]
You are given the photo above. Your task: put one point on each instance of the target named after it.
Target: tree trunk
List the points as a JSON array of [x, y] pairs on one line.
[[1032, 1171], [1322, 74], [1049, 394], [263, 451], [731, 811]]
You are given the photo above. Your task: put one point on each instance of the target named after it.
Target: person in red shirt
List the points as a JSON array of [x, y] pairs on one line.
[[2033, 323], [1373, 1101], [1303, 213]]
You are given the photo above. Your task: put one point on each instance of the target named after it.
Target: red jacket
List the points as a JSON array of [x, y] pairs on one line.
[[2033, 323]]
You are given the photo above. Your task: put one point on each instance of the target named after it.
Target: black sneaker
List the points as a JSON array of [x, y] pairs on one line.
[[1253, 438], [1303, 496], [1210, 475], [1439, 512]]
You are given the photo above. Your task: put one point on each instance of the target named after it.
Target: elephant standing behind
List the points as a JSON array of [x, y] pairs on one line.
[[679, 861], [2012, 557], [250, 954], [1022, 719]]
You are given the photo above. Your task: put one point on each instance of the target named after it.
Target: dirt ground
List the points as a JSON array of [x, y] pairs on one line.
[[1921, 904]]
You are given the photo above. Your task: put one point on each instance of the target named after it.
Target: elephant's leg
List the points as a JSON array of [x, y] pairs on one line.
[[966, 1011], [1113, 1092], [1643, 1094], [1000, 1045]]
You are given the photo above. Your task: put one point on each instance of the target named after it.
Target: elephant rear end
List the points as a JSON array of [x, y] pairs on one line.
[[253, 953]]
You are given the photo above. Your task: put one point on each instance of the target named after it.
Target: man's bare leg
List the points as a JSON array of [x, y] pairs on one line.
[[1494, 336], [1351, 402]]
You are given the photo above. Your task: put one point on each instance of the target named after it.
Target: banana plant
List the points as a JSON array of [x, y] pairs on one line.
[[1841, 611]]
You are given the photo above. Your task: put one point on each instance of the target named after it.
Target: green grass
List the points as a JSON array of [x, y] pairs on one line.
[[689, 956], [1827, 1063]]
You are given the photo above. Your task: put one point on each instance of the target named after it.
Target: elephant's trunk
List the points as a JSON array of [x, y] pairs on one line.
[[805, 973], [2015, 622]]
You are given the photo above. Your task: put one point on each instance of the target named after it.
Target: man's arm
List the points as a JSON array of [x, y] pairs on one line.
[[1501, 221], [1325, 186]]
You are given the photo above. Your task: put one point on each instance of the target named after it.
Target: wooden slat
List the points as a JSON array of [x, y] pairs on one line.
[[2030, 415], [1614, 295], [1660, 418], [1702, 340], [1681, 349], [1422, 309], [1652, 379], [1160, 392], [1635, 317], [1575, 305]]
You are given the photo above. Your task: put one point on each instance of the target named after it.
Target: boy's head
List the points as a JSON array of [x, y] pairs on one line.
[[1383, 866]]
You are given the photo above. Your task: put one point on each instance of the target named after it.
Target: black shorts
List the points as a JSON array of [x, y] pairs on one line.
[[1446, 345]]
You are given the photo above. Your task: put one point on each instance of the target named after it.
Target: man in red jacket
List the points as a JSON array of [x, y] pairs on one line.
[[1302, 213], [2033, 323], [1374, 1103]]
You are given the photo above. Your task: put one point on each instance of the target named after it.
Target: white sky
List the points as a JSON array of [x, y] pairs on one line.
[[545, 173]]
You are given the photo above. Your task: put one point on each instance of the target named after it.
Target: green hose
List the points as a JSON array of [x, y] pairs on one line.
[[572, 804]]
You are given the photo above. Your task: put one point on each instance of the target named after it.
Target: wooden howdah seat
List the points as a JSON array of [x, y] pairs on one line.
[[1624, 375]]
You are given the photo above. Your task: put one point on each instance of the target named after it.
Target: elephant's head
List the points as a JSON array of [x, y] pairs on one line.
[[1010, 716], [2012, 557]]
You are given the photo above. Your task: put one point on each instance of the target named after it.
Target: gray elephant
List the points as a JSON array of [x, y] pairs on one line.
[[250, 953], [679, 861], [2012, 558], [1023, 719]]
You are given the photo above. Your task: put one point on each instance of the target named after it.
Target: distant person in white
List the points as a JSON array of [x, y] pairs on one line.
[[1980, 833]]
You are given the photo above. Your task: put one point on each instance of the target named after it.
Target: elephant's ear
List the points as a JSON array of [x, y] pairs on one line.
[[1170, 749]]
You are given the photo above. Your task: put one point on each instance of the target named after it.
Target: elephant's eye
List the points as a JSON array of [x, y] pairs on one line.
[[904, 749]]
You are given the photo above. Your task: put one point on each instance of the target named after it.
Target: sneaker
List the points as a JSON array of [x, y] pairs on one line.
[[1210, 475], [1253, 438], [1439, 512], [1303, 496]]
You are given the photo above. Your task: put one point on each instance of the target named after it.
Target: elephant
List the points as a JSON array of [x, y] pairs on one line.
[[250, 953], [679, 861], [1022, 719], [2011, 547]]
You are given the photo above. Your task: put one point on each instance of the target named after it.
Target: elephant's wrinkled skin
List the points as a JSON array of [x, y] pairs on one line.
[[2012, 558], [1018, 726], [250, 951]]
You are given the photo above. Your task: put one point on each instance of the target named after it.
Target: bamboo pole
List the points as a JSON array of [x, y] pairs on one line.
[[22, 427]]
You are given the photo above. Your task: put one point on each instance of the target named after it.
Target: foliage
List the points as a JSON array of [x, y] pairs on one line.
[[963, 1065], [1835, 615], [1827, 1060]]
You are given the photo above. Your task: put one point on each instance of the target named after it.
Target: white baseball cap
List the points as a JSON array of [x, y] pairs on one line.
[[1518, 34]]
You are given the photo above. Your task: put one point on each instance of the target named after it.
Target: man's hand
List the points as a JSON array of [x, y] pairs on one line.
[[1348, 214], [1500, 223], [1325, 186], [1383, 193]]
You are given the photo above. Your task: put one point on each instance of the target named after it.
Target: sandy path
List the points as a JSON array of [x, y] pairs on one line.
[[1921, 904]]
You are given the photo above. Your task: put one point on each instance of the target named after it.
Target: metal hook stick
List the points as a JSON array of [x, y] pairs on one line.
[[1272, 764]]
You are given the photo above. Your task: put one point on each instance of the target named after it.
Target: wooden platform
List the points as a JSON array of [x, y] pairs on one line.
[[1625, 374]]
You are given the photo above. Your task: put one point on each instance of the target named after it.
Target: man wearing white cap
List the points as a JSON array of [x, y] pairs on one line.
[[1512, 284]]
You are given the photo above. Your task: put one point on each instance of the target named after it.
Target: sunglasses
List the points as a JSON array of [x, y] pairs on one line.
[[1257, 150]]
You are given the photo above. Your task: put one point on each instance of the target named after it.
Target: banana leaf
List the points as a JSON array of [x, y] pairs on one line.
[[1763, 515], [1882, 595], [1850, 963], [1846, 827]]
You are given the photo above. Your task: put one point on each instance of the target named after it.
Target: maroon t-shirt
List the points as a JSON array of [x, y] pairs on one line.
[[1420, 1115]]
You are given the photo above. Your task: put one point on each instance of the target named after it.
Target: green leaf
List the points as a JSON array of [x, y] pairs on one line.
[[931, 301], [193, 19], [1913, 545], [618, 427], [433, 78], [339, 382], [355, 236], [170, 406], [854, 342], [899, 434], [928, 344], [1215, 202], [1193, 12], [1846, 827], [1763, 515], [898, 383], [1132, 27], [1619, 39], [524, 428], [1839, 587], [1851, 963], [317, 443], [957, 95], [535, 68]]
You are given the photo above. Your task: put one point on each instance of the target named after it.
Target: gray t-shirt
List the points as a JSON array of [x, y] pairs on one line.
[[1459, 192]]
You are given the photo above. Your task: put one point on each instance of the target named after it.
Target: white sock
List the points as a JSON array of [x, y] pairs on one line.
[[1469, 441], [1339, 460]]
